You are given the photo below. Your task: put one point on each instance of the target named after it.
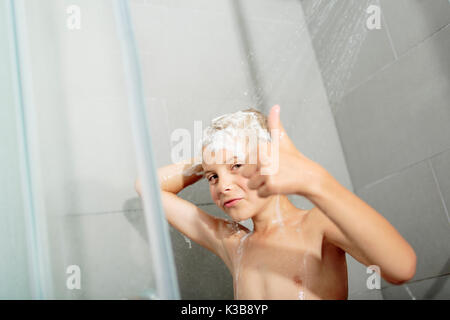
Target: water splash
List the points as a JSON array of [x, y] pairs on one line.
[[410, 293], [278, 211], [303, 268], [192, 169], [235, 227], [305, 274], [337, 30], [238, 263], [301, 295], [188, 241]]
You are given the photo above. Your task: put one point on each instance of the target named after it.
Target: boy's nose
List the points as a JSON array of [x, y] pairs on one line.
[[225, 185], [225, 188]]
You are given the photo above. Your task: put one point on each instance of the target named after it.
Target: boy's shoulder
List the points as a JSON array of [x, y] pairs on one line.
[[315, 216], [313, 220]]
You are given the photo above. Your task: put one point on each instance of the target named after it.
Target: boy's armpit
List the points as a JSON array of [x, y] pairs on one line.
[[210, 232], [335, 236], [230, 234]]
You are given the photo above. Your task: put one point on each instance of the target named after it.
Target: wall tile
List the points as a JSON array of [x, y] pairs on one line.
[[437, 288], [400, 116], [441, 168], [201, 274], [113, 256], [188, 52], [347, 52], [412, 21], [409, 200], [374, 294]]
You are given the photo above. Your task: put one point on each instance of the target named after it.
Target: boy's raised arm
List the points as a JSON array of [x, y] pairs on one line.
[[356, 227], [363, 232], [175, 177], [203, 228]]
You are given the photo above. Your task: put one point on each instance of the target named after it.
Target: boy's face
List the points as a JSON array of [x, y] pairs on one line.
[[226, 182]]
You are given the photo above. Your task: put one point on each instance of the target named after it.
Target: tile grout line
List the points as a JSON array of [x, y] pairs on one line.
[[439, 189], [371, 184], [78, 214], [390, 63], [417, 280], [388, 286], [388, 33], [367, 186]]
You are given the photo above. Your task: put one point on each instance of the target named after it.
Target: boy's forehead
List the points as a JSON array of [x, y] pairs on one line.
[[223, 156], [228, 151]]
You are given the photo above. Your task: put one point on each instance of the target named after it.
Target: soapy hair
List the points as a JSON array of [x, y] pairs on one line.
[[230, 125]]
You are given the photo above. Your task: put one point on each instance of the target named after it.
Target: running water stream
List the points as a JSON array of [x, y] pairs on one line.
[[240, 252]]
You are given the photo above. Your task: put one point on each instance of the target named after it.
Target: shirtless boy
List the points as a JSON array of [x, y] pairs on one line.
[[290, 253]]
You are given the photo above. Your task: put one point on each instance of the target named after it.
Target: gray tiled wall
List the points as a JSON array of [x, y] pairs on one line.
[[393, 123]]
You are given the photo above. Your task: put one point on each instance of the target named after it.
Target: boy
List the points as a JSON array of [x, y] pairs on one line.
[[290, 253]]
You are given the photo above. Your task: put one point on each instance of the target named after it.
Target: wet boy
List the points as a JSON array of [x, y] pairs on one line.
[[290, 253]]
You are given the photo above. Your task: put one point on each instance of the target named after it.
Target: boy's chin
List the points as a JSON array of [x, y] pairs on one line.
[[235, 216]]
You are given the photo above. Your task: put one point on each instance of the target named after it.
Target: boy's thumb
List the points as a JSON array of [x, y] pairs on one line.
[[274, 123], [274, 118]]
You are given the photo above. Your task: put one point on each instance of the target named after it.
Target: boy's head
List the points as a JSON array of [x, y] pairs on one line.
[[226, 146]]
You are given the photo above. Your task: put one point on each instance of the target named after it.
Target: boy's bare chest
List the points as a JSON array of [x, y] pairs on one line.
[[273, 266], [286, 266]]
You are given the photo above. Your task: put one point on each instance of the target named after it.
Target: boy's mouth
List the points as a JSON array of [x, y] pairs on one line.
[[232, 202]]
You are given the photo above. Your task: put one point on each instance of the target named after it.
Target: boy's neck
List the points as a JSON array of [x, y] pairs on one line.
[[274, 215]]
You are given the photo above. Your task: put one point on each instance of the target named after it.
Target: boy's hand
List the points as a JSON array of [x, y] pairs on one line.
[[292, 174]]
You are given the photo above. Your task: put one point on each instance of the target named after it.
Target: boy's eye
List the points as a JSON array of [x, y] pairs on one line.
[[237, 165], [211, 176]]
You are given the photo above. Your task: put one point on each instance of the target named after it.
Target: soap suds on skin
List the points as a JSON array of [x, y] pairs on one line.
[[240, 251], [279, 216], [301, 295]]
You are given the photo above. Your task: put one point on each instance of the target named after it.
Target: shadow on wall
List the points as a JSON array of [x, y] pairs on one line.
[[134, 214], [201, 274]]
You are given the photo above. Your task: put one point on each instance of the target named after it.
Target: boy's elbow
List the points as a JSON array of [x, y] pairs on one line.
[[408, 271], [411, 271]]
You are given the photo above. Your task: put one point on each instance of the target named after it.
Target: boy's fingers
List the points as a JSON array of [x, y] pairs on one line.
[[263, 155], [273, 120], [249, 170], [264, 192], [255, 182]]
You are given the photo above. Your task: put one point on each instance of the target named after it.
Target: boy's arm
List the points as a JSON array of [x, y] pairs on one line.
[[206, 230], [354, 226], [347, 220]]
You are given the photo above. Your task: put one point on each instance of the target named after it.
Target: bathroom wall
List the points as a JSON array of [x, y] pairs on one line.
[[86, 153], [201, 59], [392, 121], [14, 273]]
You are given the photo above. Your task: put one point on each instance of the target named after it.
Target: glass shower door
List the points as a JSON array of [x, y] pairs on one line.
[[84, 142]]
